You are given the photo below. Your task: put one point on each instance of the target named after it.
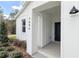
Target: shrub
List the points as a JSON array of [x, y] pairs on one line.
[[3, 32], [3, 54], [2, 49], [17, 43], [23, 44], [6, 44], [16, 54], [10, 49], [3, 39], [0, 44]]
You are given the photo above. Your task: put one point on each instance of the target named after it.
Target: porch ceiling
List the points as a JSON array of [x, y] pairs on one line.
[[47, 6], [52, 11]]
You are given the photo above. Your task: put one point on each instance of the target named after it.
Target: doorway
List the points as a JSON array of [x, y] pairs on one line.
[[57, 31]]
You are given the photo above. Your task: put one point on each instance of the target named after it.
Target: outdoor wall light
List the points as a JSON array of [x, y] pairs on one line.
[[74, 10]]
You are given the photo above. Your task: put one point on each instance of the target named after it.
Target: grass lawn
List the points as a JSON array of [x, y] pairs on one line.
[[12, 37]]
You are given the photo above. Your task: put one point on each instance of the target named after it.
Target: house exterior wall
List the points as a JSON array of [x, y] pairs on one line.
[[47, 26], [34, 32], [69, 30], [27, 14]]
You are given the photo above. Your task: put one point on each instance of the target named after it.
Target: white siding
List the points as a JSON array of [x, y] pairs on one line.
[[27, 13], [47, 26], [69, 30]]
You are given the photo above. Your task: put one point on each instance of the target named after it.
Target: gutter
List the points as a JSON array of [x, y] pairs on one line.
[[24, 6]]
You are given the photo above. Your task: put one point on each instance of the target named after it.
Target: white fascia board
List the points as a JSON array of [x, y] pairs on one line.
[[24, 6]]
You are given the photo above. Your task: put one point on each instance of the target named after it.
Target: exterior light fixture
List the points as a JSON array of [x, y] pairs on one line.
[[74, 10]]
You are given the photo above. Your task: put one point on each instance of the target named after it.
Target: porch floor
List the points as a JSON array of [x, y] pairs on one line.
[[52, 50]]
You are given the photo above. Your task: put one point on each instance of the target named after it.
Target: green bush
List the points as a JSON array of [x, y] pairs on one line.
[[0, 44], [3, 32], [3, 39], [16, 54], [2, 49], [5, 44], [3, 54], [10, 49]]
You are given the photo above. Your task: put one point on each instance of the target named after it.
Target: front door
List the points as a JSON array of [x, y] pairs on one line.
[[57, 31]]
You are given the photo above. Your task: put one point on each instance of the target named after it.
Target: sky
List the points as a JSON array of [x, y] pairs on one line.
[[9, 5]]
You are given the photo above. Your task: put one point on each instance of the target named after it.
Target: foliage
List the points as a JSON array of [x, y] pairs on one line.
[[3, 39], [10, 22], [13, 13], [17, 43], [3, 54], [11, 26], [5, 44], [1, 10], [23, 44], [0, 44], [16, 54], [10, 49], [3, 32], [2, 49]]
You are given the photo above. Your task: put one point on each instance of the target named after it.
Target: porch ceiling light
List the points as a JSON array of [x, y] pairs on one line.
[[74, 10]]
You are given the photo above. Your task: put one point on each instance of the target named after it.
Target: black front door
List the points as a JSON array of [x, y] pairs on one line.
[[57, 31]]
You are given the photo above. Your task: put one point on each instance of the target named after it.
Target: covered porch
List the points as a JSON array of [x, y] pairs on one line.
[[46, 30]]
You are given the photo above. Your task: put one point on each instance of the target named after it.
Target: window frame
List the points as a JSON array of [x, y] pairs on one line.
[[24, 25]]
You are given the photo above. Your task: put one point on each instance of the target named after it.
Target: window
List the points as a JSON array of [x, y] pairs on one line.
[[23, 25]]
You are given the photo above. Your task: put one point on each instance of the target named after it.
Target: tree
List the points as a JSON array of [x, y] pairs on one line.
[[16, 11], [3, 32], [1, 13], [11, 24], [1, 10], [13, 13]]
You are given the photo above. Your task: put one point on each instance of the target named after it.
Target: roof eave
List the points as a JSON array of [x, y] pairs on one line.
[[24, 6]]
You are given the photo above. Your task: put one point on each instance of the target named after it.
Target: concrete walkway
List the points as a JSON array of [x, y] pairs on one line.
[[52, 50]]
